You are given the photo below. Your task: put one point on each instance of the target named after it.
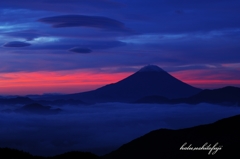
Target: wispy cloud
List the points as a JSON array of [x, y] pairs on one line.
[[29, 35]]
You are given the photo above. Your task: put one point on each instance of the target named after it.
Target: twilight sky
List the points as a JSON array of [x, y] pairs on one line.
[[71, 46]]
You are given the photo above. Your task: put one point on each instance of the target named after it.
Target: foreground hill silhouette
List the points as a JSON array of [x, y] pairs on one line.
[[7, 153], [166, 144], [150, 80], [228, 96]]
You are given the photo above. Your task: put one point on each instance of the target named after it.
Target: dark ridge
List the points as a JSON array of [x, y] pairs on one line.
[[61, 102], [35, 106], [228, 96], [38, 109], [166, 144], [27, 100], [16, 100], [8, 153], [76, 155]]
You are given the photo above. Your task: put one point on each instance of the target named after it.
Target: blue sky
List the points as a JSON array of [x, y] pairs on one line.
[[195, 41]]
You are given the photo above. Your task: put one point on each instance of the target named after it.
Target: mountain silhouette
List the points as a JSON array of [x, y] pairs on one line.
[[224, 96], [38, 109], [166, 144], [154, 99], [16, 100], [150, 80], [227, 96], [8, 153]]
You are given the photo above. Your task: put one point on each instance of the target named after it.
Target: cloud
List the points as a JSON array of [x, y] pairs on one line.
[[16, 44], [73, 44], [171, 33], [80, 50], [85, 21], [99, 128], [26, 34]]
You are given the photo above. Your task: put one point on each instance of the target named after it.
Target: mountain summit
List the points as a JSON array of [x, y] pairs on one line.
[[151, 68], [150, 80]]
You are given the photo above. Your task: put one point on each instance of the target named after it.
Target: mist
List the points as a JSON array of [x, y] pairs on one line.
[[99, 128]]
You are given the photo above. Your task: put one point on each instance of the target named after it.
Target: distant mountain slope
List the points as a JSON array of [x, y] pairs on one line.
[[16, 100], [222, 96], [227, 95], [38, 109], [28, 100], [76, 155], [150, 80], [7, 153], [166, 144], [153, 99]]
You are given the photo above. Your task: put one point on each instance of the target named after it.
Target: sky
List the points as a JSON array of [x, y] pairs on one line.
[[68, 46]]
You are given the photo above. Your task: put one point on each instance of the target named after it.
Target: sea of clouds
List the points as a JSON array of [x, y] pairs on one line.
[[99, 128]]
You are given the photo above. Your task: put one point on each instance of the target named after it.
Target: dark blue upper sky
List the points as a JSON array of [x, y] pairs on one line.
[[195, 40]]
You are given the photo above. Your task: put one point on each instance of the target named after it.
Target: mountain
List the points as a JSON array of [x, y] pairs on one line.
[[38, 109], [28, 100], [8, 153], [16, 100], [62, 102], [153, 99], [166, 144], [76, 155], [150, 80], [223, 96]]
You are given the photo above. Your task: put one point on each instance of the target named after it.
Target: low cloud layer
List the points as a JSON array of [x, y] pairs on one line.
[[99, 128], [16, 44]]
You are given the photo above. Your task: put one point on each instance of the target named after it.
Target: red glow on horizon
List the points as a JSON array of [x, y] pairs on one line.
[[23, 83], [205, 79]]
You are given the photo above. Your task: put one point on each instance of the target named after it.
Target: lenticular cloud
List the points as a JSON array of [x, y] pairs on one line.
[[84, 21], [80, 50]]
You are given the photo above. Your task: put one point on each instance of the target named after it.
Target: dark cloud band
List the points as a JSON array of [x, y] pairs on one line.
[[16, 44], [84, 21], [80, 50]]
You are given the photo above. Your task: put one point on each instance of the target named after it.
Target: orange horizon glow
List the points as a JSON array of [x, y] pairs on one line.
[[205, 79], [25, 83]]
